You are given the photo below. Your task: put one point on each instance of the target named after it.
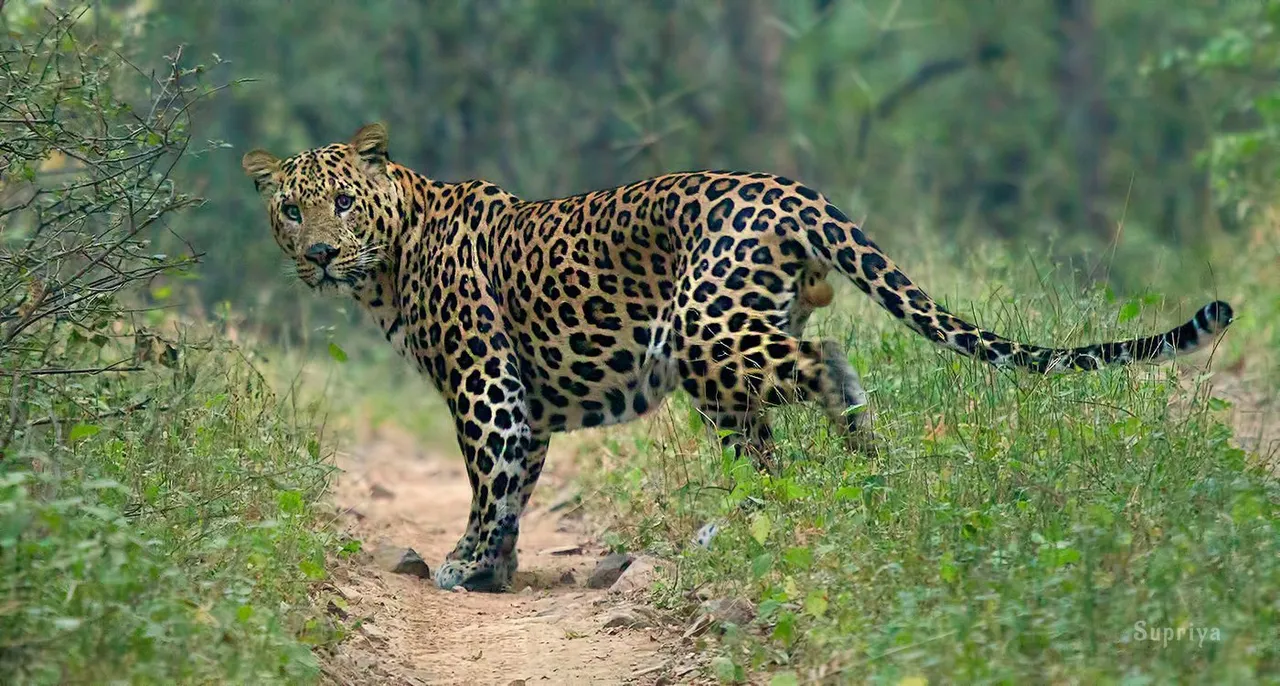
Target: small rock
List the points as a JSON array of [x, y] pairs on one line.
[[402, 561], [380, 492], [627, 618], [638, 575], [562, 550], [527, 590], [374, 633], [737, 611], [608, 570]]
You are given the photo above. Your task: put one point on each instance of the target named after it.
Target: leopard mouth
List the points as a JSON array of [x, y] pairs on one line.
[[346, 281]]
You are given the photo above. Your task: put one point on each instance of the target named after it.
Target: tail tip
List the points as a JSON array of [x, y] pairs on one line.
[[1215, 316]]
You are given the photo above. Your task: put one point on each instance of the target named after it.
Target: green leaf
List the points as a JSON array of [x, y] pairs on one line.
[[947, 568], [799, 557], [695, 421], [785, 629], [785, 679], [312, 570], [792, 490], [290, 502], [337, 352], [1101, 515], [1217, 404], [350, 548], [1130, 310], [80, 431], [848, 493], [761, 565], [815, 603], [725, 670], [760, 527]]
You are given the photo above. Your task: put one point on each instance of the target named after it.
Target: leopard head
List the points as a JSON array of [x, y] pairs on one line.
[[332, 209]]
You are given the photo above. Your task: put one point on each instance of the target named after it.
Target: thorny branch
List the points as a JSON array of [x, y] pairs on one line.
[[88, 144]]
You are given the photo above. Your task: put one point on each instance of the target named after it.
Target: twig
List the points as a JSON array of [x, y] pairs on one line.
[[105, 415], [91, 371]]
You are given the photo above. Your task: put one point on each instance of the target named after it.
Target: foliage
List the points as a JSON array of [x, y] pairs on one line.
[[173, 544], [158, 517], [1240, 60]]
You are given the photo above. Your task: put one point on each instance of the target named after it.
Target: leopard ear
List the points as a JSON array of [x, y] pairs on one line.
[[263, 168], [370, 146]]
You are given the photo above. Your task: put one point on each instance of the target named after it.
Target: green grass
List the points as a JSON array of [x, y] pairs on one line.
[[1015, 528], [174, 543]]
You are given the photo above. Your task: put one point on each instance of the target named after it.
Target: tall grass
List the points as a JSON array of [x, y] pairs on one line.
[[1014, 528], [173, 543]]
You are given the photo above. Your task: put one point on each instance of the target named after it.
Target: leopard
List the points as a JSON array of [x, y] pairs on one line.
[[538, 317]]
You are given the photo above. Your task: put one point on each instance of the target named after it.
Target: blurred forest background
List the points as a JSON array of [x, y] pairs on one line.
[[162, 502], [1036, 123]]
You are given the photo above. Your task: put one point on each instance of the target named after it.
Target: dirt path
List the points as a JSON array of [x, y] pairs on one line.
[[549, 631], [1254, 413]]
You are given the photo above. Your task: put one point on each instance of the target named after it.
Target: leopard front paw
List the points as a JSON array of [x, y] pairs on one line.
[[494, 577]]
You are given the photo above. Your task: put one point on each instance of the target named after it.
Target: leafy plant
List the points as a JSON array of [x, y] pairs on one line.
[[158, 518]]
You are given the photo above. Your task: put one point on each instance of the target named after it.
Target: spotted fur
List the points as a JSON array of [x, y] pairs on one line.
[[537, 317]]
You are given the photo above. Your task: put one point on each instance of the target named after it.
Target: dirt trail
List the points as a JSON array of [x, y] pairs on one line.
[[396, 494], [1254, 414]]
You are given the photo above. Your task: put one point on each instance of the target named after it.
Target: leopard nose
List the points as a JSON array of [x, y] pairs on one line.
[[321, 253]]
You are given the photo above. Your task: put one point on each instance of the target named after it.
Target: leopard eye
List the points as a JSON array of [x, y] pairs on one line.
[[292, 212], [343, 202]]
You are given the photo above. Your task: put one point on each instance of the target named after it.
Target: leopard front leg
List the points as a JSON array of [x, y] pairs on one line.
[[505, 459], [466, 546], [486, 560]]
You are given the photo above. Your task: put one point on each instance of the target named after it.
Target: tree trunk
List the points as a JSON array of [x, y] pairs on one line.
[[757, 48], [1084, 110]]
